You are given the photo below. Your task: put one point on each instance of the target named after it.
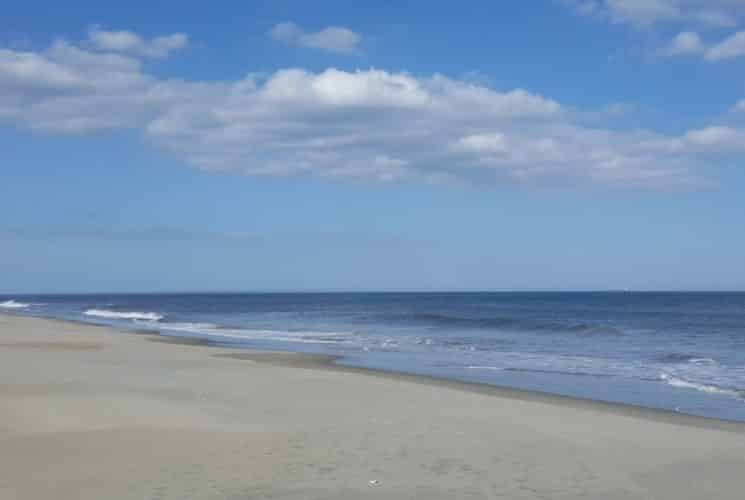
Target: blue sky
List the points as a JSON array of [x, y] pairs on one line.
[[559, 144]]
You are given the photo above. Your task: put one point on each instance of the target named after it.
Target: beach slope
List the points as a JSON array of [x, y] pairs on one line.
[[93, 413]]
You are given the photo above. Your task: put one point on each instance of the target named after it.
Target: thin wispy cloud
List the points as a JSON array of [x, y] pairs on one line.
[[363, 125], [691, 43], [644, 13], [733, 46], [132, 234], [685, 43], [132, 43], [332, 39], [697, 14]]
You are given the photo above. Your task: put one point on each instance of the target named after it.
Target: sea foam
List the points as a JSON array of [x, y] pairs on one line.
[[219, 334], [12, 304], [133, 315], [711, 389]]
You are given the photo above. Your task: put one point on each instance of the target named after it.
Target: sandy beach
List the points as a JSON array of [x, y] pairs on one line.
[[92, 413]]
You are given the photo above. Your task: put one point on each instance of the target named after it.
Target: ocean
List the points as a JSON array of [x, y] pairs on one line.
[[683, 352]]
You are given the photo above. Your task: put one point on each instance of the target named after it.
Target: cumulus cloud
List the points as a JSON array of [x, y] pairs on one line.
[[370, 124], [331, 39], [648, 12], [129, 42]]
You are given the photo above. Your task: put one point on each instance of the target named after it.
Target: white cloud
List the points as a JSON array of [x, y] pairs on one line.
[[648, 12], [129, 42], [494, 142], [703, 13], [733, 46], [642, 11], [718, 137], [369, 124], [685, 43], [690, 43], [739, 106], [331, 39]]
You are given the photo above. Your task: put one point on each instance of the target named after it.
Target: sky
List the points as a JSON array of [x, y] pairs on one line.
[[335, 145]]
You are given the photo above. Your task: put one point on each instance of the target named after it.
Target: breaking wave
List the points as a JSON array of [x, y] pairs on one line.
[[233, 335], [708, 388], [513, 324], [133, 315], [674, 358], [539, 370], [12, 304]]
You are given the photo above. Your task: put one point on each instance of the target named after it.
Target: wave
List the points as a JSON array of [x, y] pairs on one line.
[[467, 343], [540, 370], [232, 335], [518, 324], [188, 327], [679, 358], [445, 320], [702, 361], [558, 372], [133, 315], [708, 388], [12, 304], [675, 357]]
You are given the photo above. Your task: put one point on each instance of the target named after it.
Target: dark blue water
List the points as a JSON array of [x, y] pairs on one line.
[[676, 351]]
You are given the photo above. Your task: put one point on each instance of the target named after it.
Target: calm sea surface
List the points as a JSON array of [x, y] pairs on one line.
[[678, 351]]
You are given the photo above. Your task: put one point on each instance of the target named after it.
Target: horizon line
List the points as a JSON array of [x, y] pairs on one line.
[[371, 291]]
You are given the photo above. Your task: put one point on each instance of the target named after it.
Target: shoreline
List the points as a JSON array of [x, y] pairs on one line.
[[89, 412], [331, 362]]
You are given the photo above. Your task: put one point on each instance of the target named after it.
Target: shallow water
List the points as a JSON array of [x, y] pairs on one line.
[[676, 351]]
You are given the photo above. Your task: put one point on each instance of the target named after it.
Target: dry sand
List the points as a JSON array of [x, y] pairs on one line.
[[92, 413]]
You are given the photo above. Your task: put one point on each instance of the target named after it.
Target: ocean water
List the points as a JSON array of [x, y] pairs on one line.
[[683, 352]]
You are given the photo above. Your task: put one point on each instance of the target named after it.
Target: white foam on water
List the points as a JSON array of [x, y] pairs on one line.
[[685, 384], [133, 315], [188, 327], [552, 363], [212, 331], [12, 304], [702, 361]]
